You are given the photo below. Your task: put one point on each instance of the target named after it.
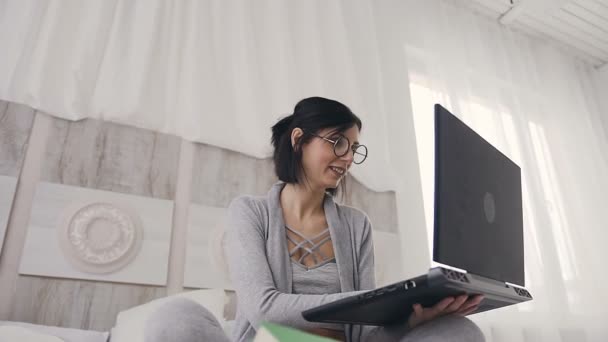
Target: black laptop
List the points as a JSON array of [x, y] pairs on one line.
[[478, 235]]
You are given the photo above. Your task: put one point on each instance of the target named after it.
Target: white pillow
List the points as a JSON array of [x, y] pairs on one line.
[[13, 333], [130, 323]]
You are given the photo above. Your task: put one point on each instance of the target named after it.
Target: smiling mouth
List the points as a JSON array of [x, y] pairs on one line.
[[338, 170]]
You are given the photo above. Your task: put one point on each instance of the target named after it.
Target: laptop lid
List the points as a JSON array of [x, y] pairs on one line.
[[478, 204]]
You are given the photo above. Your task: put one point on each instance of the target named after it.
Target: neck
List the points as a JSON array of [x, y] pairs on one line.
[[301, 200]]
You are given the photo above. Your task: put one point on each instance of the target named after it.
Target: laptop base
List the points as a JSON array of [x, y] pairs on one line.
[[393, 303]]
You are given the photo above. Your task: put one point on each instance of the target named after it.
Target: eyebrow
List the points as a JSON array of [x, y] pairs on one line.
[[336, 132]]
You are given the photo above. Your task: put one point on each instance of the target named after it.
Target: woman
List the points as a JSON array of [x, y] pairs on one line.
[[296, 248]]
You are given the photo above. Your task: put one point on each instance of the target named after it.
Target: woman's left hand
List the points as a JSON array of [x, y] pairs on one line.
[[461, 305]]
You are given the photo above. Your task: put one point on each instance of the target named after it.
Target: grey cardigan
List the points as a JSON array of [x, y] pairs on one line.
[[260, 266]]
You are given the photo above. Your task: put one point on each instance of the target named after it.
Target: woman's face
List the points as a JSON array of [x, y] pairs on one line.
[[323, 168]]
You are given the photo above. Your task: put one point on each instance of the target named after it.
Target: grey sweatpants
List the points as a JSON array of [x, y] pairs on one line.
[[182, 320]]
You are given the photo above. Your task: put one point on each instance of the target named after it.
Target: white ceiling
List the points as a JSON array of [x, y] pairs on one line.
[[581, 26]]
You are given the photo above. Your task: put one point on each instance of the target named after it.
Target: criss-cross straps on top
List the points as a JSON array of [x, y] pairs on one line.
[[310, 247]]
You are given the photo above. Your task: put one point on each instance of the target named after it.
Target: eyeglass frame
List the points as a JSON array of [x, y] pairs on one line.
[[335, 142]]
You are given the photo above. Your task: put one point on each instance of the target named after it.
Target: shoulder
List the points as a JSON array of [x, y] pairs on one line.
[[352, 213], [246, 226], [356, 218], [246, 212], [248, 201], [359, 226], [248, 205]]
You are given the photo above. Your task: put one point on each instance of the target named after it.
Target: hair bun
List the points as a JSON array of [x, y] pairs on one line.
[[280, 128]]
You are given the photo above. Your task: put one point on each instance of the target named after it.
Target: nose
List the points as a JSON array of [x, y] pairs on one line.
[[349, 157]]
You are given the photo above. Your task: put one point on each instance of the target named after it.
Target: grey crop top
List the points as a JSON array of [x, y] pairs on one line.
[[322, 278]]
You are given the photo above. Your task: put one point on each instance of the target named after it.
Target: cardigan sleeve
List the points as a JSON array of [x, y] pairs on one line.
[[258, 299], [366, 266], [366, 270]]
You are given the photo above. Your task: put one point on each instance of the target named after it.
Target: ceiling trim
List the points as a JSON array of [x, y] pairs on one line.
[[525, 6], [576, 26], [509, 16], [581, 50]]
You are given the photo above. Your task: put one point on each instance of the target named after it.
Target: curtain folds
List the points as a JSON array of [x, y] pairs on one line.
[[222, 72]]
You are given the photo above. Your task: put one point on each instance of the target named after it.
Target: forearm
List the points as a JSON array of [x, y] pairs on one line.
[[284, 308]]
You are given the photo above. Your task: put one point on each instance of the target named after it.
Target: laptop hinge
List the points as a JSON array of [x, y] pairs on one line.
[[514, 285], [437, 264]]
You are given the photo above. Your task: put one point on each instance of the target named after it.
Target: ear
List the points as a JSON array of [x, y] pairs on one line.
[[296, 134]]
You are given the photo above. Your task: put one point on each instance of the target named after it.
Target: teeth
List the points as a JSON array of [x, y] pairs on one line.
[[338, 170]]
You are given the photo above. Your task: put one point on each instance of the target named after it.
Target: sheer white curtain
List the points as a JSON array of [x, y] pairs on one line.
[[539, 107], [213, 71], [221, 72]]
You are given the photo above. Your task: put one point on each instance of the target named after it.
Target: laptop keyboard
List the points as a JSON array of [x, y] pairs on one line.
[[410, 284]]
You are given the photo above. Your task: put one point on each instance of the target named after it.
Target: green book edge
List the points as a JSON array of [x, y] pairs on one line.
[[283, 333]]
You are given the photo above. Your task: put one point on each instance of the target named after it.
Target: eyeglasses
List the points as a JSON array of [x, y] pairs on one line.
[[341, 147]]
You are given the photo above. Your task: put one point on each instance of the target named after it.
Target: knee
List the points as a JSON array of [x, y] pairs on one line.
[[183, 320], [448, 328]]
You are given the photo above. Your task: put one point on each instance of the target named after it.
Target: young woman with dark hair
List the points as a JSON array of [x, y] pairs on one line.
[[296, 248]]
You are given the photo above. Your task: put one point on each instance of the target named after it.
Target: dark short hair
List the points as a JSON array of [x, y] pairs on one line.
[[311, 115]]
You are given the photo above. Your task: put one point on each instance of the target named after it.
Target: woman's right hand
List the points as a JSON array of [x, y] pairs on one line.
[[461, 305]]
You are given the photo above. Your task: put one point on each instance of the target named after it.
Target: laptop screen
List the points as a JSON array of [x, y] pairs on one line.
[[478, 204]]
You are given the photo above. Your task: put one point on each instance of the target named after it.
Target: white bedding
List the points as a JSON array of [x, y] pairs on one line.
[[10, 333], [43, 333]]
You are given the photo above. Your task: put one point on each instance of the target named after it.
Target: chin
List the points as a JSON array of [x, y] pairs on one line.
[[334, 184]]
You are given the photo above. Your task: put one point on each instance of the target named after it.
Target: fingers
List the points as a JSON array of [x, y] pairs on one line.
[[442, 305], [421, 314], [473, 301], [477, 298], [470, 305], [461, 305], [417, 316], [456, 304], [466, 307], [469, 311]]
